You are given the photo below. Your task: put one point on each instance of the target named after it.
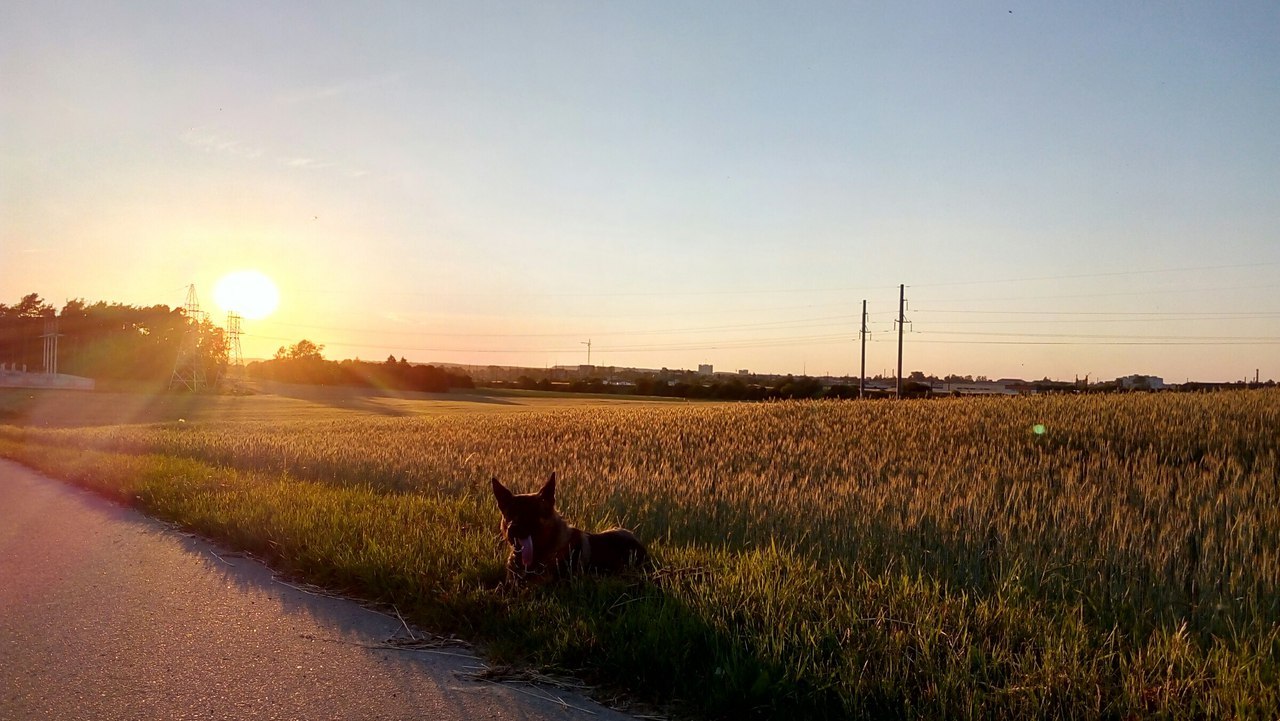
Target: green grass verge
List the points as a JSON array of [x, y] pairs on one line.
[[746, 633]]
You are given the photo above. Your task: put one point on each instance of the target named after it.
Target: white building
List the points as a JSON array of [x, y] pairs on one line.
[[1140, 382]]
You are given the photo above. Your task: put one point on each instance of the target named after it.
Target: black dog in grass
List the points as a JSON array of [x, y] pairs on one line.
[[545, 547]]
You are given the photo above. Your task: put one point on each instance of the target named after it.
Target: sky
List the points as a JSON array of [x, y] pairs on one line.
[[1065, 189]]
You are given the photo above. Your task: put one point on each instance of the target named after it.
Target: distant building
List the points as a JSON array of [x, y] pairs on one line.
[[882, 384], [1141, 383], [705, 369], [975, 388], [744, 372]]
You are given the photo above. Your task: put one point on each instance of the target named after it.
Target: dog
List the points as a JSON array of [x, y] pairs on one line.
[[544, 547]]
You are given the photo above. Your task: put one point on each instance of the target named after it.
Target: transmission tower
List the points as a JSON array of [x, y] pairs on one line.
[[188, 369], [236, 356]]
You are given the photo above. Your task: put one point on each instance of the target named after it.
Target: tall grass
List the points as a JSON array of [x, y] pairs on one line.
[[852, 559]]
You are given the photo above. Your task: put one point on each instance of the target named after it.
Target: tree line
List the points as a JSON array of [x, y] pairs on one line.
[[108, 341], [304, 362], [114, 341], [732, 389]]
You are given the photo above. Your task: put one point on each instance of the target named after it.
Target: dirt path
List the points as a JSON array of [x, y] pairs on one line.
[[107, 614]]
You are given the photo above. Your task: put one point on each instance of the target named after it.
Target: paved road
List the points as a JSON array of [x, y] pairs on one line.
[[107, 614]]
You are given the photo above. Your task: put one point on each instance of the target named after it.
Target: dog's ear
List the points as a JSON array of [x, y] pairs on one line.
[[502, 495], [548, 490]]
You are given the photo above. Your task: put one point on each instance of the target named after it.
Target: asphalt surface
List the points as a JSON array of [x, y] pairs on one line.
[[107, 614]]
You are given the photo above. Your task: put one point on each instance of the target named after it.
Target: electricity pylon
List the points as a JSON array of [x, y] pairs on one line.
[[188, 369], [236, 355]]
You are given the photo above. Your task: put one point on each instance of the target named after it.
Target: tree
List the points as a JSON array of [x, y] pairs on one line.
[[31, 306], [303, 363], [302, 350], [212, 348], [107, 341], [916, 389], [20, 328]]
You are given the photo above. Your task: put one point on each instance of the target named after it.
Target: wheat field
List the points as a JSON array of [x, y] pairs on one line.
[[1068, 557]]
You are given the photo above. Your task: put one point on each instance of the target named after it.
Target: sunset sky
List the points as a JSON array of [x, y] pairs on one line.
[[1064, 188]]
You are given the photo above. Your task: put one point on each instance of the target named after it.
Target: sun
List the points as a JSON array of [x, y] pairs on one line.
[[248, 293]]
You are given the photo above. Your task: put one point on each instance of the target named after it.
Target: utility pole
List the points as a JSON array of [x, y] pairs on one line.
[[587, 343], [902, 321], [862, 335]]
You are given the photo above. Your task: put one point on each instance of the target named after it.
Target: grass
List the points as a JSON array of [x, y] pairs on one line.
[[820, 559]]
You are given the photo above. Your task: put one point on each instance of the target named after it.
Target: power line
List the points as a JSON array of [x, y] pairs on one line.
[[586, 294], [737, 343], [835, 320], [1215, 314], [820, 322], [776, 291], [1100, 335], [1118, 293], [384, 346], [1039, 321], [815, 321], [1108, 274], [710, 345], [686, 312], [815, 340], [767, 333], [1099, 343]]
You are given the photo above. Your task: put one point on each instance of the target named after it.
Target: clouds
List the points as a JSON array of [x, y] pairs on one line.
[[220, 142], [300, 130], [212, 141], [340, 88], [306, 163]]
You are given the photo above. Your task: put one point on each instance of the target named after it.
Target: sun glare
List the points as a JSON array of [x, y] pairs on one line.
[[248, 293]]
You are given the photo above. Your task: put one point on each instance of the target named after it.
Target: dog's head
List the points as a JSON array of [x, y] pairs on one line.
[[528, 520]]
